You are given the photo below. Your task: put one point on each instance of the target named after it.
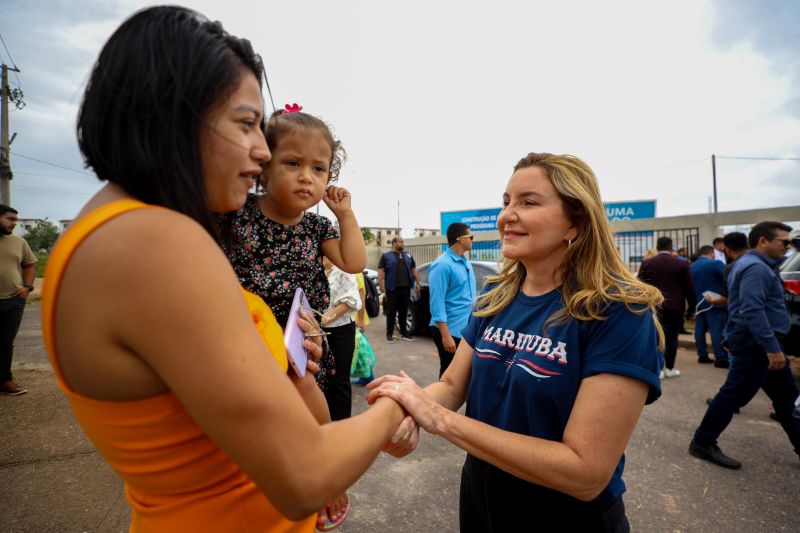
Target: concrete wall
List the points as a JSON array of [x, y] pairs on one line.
[[709, 224]]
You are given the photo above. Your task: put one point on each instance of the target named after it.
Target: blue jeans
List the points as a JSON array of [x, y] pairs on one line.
[[712, 321], [749, 372]]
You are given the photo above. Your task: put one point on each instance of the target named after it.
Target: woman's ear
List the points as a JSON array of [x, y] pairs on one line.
[[572, 234]]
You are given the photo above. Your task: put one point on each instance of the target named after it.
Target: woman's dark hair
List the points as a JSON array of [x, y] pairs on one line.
[[142, 113], [282, 122]]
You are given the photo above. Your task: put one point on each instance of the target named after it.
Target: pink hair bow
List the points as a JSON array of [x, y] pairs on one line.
[[293, 108]]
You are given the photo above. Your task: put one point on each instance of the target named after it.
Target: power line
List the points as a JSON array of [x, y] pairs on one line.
[[40, 175], [7, 52], [54, 192], [759, 158], [16, 68], [52, 164]]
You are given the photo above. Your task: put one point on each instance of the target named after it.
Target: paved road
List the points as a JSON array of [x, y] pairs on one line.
[[53, 480]]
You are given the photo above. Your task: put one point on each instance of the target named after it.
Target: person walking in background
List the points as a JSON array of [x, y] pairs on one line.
[[711, 318], [397, 277], [452, 293], [673, 278], [17, 272], [757, 324], [719, 250]]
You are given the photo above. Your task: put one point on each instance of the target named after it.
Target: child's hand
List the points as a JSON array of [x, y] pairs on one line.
[[337, 199]]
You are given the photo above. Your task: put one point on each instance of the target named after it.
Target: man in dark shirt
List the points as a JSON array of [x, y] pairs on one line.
[[711, 318], [672, 277], [757, 324], [397, 276]]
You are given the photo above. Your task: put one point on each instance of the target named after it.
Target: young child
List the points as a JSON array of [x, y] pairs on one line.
[[276, 245]]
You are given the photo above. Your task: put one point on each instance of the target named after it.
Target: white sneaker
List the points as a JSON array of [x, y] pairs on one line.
[[671, 372], [661, 375]]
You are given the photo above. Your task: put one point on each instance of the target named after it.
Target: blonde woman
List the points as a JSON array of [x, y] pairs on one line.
[[649, 254], [558, 360]]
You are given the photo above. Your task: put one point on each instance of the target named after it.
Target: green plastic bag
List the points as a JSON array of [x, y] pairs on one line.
[[363, 358]]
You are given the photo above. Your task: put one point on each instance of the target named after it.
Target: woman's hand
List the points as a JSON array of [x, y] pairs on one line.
[[407, 393], [404, 439], [313, 342]]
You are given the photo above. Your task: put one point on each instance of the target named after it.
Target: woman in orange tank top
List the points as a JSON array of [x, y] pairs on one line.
[[144, 320]]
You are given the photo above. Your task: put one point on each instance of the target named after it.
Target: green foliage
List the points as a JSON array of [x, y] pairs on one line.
[[368, 236], [41, 264], [43, 236]]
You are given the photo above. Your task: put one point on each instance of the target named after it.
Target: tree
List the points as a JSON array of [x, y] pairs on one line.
[[43, 236], [367, 234]]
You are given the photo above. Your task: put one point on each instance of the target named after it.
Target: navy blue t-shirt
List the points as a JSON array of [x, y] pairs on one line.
[[526, 380]]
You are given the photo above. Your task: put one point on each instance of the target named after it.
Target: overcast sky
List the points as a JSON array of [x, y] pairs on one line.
[[436, 101]]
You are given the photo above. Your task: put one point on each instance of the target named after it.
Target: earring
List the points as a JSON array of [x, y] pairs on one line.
[[569, 243]]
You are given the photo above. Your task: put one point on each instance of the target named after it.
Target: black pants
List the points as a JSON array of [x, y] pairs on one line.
[[748, 372], [10, 318], [396, 304], [672, 323], [494, 501], [339, 394], [445, 357]]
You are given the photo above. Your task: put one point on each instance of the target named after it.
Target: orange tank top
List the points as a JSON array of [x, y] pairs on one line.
[[176, 478]]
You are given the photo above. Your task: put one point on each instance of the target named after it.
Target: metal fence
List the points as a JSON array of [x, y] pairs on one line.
[[481, 251], [631, 245]]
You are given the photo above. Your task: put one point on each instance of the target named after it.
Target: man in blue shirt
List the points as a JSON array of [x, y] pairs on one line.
[[757, 324], [452, 293], [707, 276]]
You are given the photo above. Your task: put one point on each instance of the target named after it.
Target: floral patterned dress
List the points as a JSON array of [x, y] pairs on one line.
[[272, 260]]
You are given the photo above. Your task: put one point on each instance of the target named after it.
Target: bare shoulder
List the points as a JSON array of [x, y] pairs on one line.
[[157, 229], [148, 255]]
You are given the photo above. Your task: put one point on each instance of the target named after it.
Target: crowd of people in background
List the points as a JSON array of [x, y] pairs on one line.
[[732, 290]]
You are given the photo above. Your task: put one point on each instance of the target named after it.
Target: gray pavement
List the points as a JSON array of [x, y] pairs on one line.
[[52, 479]]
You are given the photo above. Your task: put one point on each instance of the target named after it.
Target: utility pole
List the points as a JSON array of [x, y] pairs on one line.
[[398, 218], [714, 177], [5, 152]]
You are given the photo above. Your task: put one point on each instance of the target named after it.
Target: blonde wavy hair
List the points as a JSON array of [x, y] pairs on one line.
[[592, 273]]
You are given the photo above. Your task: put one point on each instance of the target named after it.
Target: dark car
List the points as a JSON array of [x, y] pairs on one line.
[[419, 312], [790, 274]]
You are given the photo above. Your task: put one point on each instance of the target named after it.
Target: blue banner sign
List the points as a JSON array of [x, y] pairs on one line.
[[476, 219], [630, 210], [486, 219]]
